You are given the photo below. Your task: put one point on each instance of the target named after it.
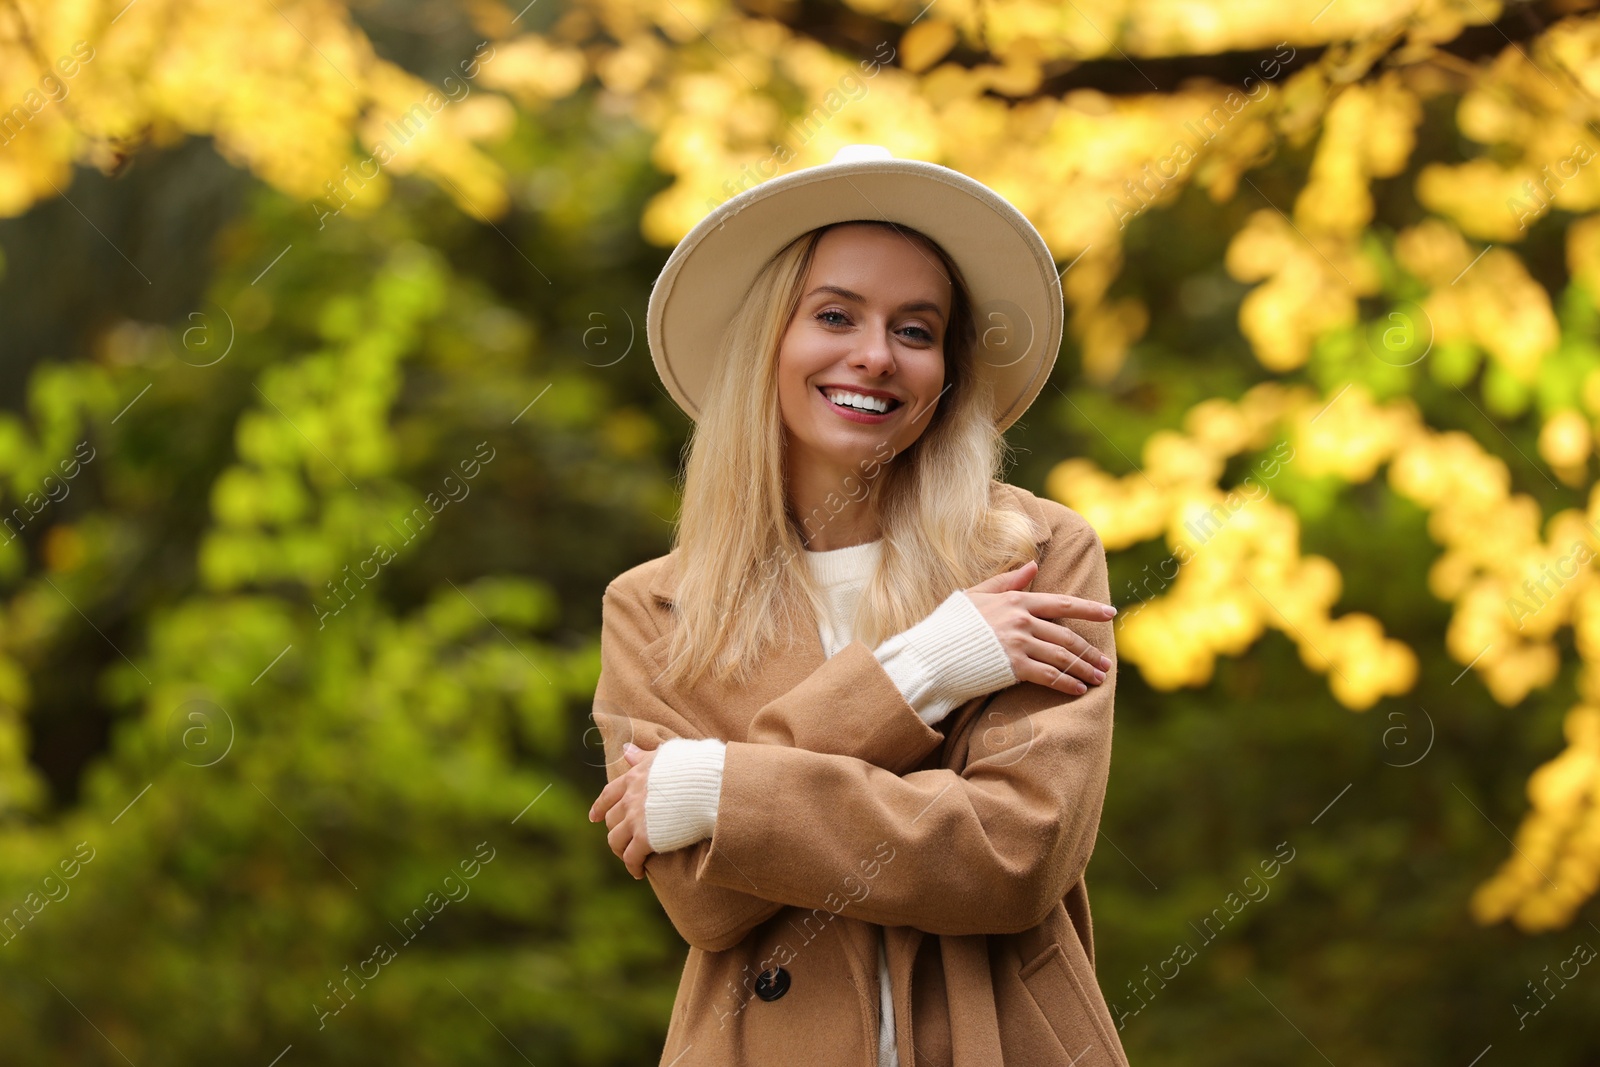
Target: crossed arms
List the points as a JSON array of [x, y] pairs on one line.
[[986, 845]]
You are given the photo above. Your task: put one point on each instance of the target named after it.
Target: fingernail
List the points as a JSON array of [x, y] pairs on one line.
[[1099, 676], [1110, 610], [1105, 661]]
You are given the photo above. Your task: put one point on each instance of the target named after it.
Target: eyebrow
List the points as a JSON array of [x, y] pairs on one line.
[[849, 294]]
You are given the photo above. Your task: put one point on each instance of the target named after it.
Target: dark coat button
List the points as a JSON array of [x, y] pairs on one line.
[[770, 985]]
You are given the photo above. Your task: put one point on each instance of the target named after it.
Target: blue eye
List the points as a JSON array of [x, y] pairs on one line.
[[919, 332]]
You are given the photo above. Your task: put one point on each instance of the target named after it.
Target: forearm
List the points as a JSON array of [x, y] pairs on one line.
[[946, 659], [984, 847], [936, 665]]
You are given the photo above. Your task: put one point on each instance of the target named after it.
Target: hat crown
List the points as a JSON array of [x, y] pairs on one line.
[[860, 153]]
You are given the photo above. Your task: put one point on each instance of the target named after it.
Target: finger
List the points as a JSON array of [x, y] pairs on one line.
[[1072, 641], [1045, 627], [1071, 651], [618, 840], [618, 812], [603, 802], [1075, 607], [1046, 675], [635, 855], [1063, 606], [629, 862]]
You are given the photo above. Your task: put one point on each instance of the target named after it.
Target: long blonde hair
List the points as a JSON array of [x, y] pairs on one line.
[[738, 547]]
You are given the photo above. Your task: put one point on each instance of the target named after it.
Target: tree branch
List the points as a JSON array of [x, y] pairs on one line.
[[858, 35]]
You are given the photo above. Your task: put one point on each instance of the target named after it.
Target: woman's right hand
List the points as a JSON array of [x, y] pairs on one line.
[[1042, 651]]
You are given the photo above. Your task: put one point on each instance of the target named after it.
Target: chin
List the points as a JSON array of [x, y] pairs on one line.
[[857, 455]]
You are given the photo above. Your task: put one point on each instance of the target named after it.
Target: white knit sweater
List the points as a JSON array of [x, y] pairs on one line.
[[939, 664]]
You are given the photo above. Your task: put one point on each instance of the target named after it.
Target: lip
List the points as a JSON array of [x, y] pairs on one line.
[[863, 390], [859, 416]]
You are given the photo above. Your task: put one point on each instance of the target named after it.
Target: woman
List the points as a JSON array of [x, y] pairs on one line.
[[880, 763]]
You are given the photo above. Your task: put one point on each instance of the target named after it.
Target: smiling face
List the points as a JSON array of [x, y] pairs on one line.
[[871, 321]]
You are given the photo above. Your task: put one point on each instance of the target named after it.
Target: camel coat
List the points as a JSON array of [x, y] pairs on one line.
[[840, 808]]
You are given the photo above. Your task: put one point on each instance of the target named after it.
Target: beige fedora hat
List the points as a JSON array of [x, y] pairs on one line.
[[1015, 288]]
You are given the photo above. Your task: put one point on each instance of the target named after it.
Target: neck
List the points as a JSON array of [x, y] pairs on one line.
[[830, 509]]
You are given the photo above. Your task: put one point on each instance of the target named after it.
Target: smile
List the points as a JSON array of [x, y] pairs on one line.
[[859, 408]]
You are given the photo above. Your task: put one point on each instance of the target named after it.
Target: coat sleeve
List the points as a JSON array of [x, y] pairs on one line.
[[849, 708], [988, 844]]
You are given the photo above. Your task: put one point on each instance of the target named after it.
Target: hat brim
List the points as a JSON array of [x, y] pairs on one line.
[[1010, 273]]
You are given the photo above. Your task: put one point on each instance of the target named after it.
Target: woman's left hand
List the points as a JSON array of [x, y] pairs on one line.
[[621, 805]]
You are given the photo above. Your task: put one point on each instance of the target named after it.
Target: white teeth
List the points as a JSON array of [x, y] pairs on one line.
[[875, 404]]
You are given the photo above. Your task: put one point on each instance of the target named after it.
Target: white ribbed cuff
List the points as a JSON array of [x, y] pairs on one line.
[[680, 801], [947, 659]]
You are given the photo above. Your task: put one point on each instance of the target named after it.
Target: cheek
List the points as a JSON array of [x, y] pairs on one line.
[[792, 387], [931, 375], [791, 400], [790, 372], [799, 358]]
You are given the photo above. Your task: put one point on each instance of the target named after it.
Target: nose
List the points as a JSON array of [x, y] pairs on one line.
[[874, 355]]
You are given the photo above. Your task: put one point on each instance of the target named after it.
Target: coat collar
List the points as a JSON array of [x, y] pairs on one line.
[[663, 584]]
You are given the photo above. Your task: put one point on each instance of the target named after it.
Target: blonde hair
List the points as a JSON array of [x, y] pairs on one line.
[[738, 547]]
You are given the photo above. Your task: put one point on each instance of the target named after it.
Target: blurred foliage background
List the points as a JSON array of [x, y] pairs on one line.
[[327, 416]]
